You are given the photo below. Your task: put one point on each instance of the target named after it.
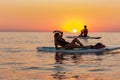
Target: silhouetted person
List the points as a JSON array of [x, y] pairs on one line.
[[60, 41], [84, 32]]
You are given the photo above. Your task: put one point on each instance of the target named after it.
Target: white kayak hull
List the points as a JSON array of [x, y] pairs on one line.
[[77, 50]]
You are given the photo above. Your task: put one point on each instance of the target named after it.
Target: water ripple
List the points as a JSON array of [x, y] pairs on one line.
[[96, 70], [15, 50]]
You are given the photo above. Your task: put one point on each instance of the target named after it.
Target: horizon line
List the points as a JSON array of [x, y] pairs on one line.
[[63, 31]]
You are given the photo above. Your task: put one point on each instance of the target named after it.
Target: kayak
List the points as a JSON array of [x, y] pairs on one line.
[[77, 50], [88, 37]]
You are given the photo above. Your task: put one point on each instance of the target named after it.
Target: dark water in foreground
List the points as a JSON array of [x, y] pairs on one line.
[[19, 59]]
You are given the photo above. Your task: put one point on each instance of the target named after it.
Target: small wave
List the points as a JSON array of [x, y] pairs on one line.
[[12, 63], [32, 68], [95, 70], [15, 50], [28, 42]]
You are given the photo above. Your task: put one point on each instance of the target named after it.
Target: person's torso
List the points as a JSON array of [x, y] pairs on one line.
[[62, 42]]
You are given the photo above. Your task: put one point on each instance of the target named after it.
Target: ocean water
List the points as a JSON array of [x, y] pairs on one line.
[[19, 59]]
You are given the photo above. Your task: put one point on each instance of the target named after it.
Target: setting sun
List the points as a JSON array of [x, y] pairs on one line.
[[74, 30], [73, 25]]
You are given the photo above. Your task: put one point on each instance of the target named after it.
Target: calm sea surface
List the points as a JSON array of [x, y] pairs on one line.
[[19, 59]]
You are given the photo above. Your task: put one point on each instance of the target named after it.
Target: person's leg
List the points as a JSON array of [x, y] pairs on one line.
[[81, 34], [71, 46], [75, 40], [85, 35]]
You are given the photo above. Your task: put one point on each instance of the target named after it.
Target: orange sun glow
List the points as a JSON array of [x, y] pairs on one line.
[[72, 26]]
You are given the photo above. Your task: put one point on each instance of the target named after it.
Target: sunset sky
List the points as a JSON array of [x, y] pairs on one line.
[[65, 15]]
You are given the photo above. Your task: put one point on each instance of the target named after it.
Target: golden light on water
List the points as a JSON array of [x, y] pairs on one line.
[[72, 26]]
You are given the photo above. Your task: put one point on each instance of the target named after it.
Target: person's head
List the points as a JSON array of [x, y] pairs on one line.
[[57, 35], [85, 26]]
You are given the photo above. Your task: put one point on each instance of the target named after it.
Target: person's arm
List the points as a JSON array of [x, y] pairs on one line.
[[56, 45], [56, 31]]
